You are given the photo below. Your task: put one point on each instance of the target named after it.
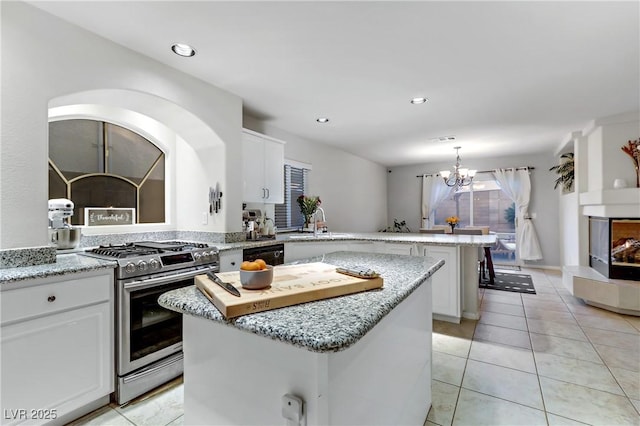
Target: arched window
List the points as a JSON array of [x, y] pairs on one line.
[[99, 164]]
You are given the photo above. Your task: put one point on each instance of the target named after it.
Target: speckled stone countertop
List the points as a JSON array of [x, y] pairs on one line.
[[389, 237], [328, 325], [68, 261], [65, 264]]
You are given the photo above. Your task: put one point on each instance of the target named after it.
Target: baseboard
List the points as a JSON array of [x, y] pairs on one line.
[[446, 318]]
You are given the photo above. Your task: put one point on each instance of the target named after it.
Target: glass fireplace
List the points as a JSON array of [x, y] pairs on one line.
[[614, 247]]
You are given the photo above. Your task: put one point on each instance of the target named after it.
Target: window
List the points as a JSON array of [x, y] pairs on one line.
[[484, 204], [287, 215], [99, 164]]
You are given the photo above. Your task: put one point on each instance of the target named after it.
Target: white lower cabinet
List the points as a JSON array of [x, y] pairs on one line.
[[230, 260], [447, 299], [301, 250], [57, 347], [361, 246], [396, 248]]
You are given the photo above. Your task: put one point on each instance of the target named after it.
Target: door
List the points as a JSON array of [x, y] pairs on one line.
[[54, 364], [445, 282], [484, 204]]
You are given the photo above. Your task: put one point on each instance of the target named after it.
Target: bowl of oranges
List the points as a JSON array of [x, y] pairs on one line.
[[256, 274]]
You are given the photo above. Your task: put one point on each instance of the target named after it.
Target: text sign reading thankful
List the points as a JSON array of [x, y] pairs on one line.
[[100, 216]]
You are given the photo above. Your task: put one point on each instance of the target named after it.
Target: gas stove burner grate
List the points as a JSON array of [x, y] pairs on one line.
[[186, 245], [121, 251]]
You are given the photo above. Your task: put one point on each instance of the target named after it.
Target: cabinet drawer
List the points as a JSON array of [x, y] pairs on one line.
[[22, 303]]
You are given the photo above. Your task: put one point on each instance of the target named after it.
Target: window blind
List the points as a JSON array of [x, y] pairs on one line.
[[287, 214]]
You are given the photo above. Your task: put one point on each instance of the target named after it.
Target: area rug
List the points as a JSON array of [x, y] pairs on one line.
[[519, 283]]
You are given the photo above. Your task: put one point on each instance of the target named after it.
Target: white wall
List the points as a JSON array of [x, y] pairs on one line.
[[405, 195], [44, 58], [353, 190], [569, 229], [599, 160], [606, 160]]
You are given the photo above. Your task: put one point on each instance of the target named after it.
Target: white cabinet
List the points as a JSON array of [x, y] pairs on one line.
[[230, 260], [57, 346], [361, 246], [447, 298], [263, 168], [396, 248], [296, 251]]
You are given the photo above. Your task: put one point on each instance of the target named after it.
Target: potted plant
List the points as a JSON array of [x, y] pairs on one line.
[[632, 149], [308, 206], [565, 172]]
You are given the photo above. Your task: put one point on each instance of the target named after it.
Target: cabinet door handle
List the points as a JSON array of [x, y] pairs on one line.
[[233, 263], [264, 193], [51, 299], [268, 193]]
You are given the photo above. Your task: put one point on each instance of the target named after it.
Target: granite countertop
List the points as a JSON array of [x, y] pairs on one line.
[[70, 261], [328, 325], [65, 264], [390, 237]]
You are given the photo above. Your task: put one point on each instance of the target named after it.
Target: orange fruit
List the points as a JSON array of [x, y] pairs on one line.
[[251, 266], [261, 263], [245, 265]]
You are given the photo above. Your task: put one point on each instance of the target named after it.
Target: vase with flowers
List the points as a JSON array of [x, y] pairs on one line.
[[452, 221], [308, 206], [632, 149]]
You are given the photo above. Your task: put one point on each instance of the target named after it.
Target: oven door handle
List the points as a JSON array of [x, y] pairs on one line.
[[142, 284]]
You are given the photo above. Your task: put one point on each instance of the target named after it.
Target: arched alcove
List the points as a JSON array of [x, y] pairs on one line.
[[166, 124]]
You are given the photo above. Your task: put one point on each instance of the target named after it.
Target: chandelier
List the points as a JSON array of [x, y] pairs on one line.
[[461, 176]]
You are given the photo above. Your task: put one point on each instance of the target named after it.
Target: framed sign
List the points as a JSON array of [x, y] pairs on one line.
[[101, 216]]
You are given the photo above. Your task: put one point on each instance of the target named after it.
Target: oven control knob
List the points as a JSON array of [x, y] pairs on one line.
[[130, 268], [206, 255], [197, 256], [142, 265], [154, 264]]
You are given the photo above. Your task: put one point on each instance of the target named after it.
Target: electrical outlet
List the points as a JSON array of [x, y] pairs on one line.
[[292, 409], [205, 218]]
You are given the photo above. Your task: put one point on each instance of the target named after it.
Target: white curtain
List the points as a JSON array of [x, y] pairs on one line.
[[517, 185], [434, 191]]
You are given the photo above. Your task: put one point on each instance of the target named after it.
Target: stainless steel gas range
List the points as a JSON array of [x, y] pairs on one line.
[[148, 336]]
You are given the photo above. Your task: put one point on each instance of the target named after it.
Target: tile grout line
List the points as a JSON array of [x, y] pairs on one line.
[[535, 366], [595, 349], [455, 407], [591, 343]]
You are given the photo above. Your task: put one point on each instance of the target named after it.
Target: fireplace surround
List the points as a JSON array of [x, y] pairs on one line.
[[614, 247]]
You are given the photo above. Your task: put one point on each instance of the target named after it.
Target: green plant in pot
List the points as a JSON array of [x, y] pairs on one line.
[[308, 206], [565, 172]]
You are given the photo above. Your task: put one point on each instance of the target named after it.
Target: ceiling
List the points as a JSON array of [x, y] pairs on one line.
[[503, 78]]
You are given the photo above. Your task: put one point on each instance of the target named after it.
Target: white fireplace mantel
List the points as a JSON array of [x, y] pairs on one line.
[[621, 203]]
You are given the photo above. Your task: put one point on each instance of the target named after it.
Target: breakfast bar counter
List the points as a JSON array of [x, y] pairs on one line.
[[358, 359]]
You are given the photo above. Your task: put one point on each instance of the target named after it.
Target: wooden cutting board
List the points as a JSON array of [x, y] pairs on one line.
[[292, 284]]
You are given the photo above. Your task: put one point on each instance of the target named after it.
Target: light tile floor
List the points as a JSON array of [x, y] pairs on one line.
[[543, 359]]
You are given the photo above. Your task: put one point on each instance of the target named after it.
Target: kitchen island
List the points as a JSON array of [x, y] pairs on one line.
[[455, 285], [358, 359]]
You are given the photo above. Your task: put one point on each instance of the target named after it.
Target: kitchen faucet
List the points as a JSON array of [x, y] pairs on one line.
[[323, 222]]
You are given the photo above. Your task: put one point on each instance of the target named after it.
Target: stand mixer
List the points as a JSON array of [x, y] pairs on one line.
[[61, 234]]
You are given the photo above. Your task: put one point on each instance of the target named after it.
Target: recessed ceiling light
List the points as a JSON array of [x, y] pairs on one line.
[[416, 101], [322, 120], [183, 49]]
